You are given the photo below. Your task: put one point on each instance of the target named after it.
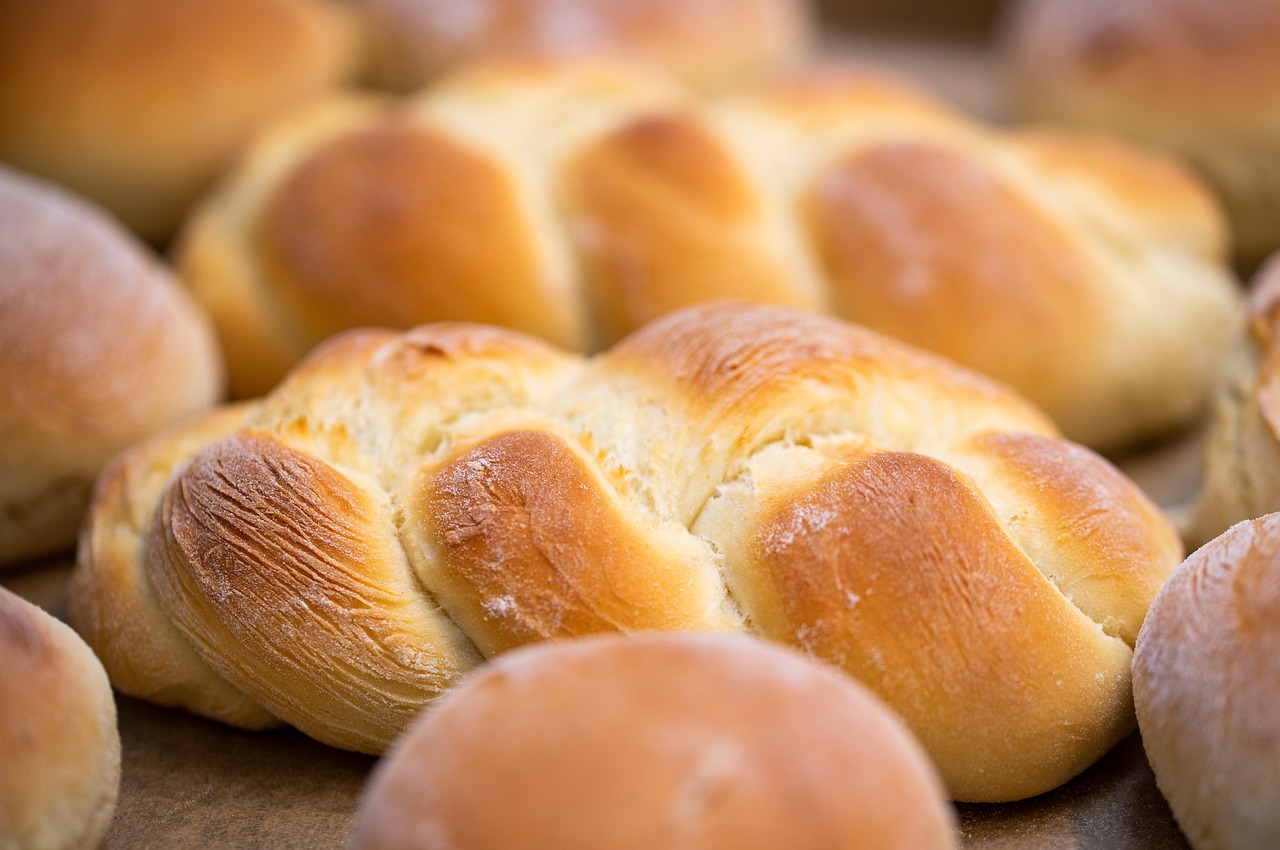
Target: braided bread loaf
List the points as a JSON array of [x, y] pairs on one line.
[[578, 201], [403, 506]]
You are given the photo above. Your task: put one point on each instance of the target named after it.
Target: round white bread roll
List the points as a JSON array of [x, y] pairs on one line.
[[709, 44], [1198, 78], [1205, 676], [59, 746], [697, 742], [99, 345], [138, 103]]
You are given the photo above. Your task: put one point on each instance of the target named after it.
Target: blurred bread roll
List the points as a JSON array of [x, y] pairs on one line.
[[1198, 78], [59, 746], [99, 346], [698, 742], [1240, 477], [1205, 675], [579, 200], [710, 45], [137, 104]]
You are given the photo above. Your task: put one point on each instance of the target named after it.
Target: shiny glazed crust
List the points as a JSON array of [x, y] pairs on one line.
[[577, 201], [404, 506], [58, 739], [699, 742]]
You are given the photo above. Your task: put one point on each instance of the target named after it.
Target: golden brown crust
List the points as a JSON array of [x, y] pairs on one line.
[[138, 103], [676, 741], [101, 346], [395, 225], [533, 495], [709, 44], [1205, 671], [58, 739]]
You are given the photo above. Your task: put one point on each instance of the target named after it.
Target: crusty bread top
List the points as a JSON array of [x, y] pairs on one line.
[[405, 505], [698, 742]]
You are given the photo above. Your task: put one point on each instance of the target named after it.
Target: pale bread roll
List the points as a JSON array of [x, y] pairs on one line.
[[407, 505], [710, 45], [698, 742], [1205, 673], [99, 346], [138, 104], [1198, 78], [59, 747]]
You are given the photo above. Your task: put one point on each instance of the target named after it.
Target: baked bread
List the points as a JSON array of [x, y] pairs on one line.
[[1198, 78], [577, 201], [691, 741], [1241, 466], [1204, 678], [59, 745], [137, 104], [711, 45], [404, 506], [100, 347]]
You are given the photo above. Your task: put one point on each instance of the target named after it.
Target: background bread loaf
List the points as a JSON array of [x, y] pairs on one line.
[[59, 747], [1205, 672], [710, 45], [138, 104], [1195, 77], [577, 201], [101, 346], [404, 506], [656, 741]]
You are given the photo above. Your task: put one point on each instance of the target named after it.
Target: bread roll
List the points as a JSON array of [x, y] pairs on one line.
[[578, 201], [1205, 673], [59, 746], [1198, 78], [1241, 467], [99, 346], [139, 103], [405, 506], [711, 45], [684, 741]]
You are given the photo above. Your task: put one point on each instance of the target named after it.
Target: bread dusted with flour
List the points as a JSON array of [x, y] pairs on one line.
[[58, 739], [101, 346], [577, 201], [1205, 675], [693, 741], [404, 506]]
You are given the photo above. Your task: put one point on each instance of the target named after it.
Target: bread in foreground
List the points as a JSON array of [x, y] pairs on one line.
[[59, 746], [407, 505], [578, 200], [99, 346], [1205, 673], [694, 741]]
